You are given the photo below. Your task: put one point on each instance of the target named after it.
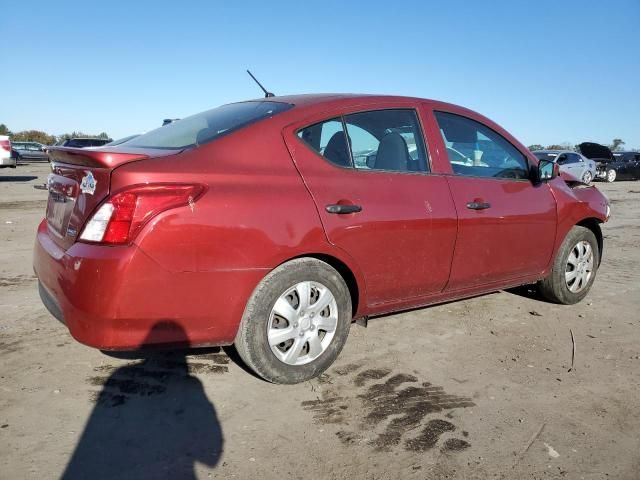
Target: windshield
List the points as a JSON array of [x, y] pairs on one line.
[[207, 126]]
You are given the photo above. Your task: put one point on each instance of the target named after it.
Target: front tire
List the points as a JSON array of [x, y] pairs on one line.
[[611, 175], [296, 322], [587, 177], [574, 268]]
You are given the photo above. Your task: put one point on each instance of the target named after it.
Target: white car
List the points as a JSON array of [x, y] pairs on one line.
[[573, 163], [6, 160]]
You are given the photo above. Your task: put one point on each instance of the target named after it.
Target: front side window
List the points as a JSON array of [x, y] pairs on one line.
[[207, 126], [477, 151]]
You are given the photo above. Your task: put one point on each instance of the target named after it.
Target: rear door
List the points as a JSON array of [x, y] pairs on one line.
[[369, 174], [507, 225]]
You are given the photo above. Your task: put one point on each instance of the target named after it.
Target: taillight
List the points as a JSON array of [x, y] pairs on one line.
[[6, 144], [123, 215]]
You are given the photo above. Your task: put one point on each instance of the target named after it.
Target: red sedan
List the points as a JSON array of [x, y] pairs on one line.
[[272, 224]]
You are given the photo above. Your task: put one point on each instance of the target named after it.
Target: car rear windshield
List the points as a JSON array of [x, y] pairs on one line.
[[84, 142], [551, 157], [207, 126]]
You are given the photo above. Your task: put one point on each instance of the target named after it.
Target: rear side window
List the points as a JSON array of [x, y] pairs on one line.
[[389, 140], [207, 126], [477, 151], [329, 140]]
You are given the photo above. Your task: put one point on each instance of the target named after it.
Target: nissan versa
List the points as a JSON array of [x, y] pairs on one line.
[[272, 224]]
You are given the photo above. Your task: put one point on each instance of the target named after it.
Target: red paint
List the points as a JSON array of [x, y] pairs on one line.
[[414, 242]]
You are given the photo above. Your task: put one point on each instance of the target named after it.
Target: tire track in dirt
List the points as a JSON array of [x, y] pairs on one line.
[[388, 410], [151, 376]]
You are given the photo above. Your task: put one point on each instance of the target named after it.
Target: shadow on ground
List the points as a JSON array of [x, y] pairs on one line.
[[527, 291], [152, 419], [17, 178]]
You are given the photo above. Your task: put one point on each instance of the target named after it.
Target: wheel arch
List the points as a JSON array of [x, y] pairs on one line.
[[356, 290], [593, 224]]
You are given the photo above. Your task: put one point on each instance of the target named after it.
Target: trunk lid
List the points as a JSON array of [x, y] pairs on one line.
[[79, 182]]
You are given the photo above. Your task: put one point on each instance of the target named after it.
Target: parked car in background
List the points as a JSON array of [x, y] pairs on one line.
[[251, 224], [6, 159], [29, 151], [612, 166], [570, 162], [85, 142], [627, 165]]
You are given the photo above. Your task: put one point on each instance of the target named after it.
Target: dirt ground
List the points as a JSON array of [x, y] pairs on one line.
[[474, 389]]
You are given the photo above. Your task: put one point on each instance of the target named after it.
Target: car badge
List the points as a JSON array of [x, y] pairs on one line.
[[88, 184]]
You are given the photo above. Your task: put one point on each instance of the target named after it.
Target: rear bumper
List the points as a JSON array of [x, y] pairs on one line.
[[118, 298], [7, 162]]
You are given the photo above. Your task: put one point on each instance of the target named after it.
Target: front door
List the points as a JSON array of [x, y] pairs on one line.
[[507, 225], [368, 173]]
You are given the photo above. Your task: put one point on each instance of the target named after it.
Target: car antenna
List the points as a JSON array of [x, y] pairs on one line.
[[267, 94]]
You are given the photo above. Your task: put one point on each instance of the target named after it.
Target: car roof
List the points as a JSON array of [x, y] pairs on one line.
[[314, 100]]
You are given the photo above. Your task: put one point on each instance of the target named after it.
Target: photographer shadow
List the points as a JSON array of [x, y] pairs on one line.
[[152, 420]]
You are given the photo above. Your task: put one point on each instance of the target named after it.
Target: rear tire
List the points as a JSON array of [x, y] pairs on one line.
[[574, 268], [296, 322]]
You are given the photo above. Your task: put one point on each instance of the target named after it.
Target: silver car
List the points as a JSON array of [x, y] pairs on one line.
[[570, 162]]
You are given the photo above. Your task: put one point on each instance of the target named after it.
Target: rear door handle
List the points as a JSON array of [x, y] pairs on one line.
[[478, 205], [342, 209]]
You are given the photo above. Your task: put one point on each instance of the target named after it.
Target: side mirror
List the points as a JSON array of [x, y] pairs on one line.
[[547, 170]]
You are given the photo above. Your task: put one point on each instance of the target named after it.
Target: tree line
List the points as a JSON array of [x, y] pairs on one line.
[[43, 137]]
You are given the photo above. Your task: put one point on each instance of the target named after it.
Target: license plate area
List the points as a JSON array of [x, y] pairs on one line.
[[60, 204]]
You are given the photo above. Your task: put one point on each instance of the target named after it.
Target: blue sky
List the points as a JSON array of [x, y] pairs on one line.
[[547, 71]]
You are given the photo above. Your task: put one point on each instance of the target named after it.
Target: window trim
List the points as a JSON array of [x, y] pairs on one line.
[[428, 161], [529, 170]]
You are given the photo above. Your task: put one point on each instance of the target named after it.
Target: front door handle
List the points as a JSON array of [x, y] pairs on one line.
[[342, 209], [478, 205]]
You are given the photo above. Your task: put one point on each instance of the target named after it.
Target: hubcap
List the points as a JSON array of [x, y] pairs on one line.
[[587, 177], [302, 323], [611, 175], [579, 267]]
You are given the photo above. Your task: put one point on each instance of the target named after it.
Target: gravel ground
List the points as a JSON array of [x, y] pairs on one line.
[[480, 388]]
